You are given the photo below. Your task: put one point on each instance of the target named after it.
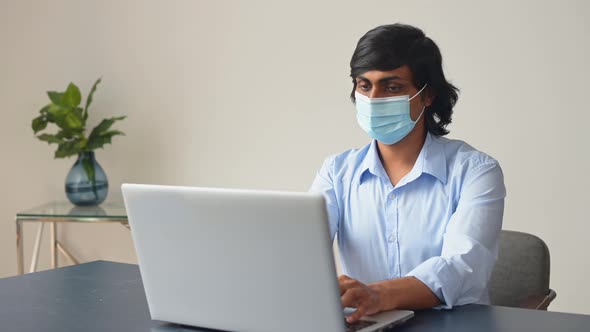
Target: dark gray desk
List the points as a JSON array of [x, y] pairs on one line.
[[104, 296]]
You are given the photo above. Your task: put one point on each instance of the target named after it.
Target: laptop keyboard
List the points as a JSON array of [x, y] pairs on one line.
[[358, 325]]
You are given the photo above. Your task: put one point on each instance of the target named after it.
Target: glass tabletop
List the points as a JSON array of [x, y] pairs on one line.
[[65, 209]]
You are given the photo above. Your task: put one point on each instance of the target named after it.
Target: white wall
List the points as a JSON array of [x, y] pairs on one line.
[[255, 94]]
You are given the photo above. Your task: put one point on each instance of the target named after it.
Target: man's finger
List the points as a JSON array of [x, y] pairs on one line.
[[360, 311], [345, 283], [352, 297], [343, 277]]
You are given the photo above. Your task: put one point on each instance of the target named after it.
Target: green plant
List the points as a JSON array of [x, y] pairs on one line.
[[65, 112]]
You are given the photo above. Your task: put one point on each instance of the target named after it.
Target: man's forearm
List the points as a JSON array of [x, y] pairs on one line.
[[405, 293]]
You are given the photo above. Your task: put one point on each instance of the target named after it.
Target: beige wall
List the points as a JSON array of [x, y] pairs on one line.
[[255, 94]]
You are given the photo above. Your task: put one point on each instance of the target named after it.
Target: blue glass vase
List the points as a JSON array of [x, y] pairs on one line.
[[86, 183]]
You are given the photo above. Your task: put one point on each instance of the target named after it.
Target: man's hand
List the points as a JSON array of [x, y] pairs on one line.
[[401, 293], [355, 294]]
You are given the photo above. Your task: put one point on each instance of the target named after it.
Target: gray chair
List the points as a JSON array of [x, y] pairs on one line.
[[521, 275]]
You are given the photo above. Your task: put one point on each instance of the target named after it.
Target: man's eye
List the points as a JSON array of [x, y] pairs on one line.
[[394, 89], [364, 87]]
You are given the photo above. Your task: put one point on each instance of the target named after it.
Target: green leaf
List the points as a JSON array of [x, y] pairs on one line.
[[72, 121], [72, 96], [39, 123], [98, 141], [89, 99], [112, 133], [50, 138], [65, 118], [105, 124], [82, 143], [56, 97], [43, 111], [67, 149], [57, 112], [67, 134], [78, 112]]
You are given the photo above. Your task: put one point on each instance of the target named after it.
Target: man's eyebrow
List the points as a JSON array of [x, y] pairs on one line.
[[384, 79]]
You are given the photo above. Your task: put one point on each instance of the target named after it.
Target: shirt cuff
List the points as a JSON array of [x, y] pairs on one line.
[[434, 273]]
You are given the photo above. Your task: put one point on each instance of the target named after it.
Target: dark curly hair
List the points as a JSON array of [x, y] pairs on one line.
[[388, 47]]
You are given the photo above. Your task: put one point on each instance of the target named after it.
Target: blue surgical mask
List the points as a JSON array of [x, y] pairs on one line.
[[386, 119]]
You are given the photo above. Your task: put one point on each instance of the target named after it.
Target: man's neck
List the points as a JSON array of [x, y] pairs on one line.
[[398, 159]]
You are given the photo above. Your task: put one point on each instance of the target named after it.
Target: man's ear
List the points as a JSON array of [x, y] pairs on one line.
[[428, 98]]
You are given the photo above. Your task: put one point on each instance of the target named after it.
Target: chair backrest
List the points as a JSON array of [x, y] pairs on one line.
[[521, 271]]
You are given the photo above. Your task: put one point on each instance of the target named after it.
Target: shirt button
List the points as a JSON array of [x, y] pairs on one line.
[[392, 196], [392, 238]]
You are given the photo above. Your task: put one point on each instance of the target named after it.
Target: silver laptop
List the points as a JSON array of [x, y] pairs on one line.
[[239, 260]]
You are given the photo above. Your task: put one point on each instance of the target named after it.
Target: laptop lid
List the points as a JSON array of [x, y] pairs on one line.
[[237, 260]]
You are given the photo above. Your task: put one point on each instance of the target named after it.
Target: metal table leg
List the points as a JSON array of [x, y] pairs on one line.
[[19, 248], [53, 245], [35, 259], [66, 253]]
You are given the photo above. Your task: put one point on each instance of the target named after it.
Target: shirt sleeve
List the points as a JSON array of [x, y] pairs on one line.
[[470, 245], [324, 184]]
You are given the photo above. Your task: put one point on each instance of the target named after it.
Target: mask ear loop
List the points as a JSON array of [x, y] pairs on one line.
[[424, 107], [417, 93], [419, 116]]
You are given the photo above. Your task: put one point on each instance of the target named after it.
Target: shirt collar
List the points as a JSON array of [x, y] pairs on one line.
[[435, 160], [372, 164], [431, 160]]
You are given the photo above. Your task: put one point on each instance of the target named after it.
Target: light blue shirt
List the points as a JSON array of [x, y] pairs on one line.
[[440, 223]]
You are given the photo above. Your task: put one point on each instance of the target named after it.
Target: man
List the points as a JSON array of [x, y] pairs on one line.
[[418, 216]]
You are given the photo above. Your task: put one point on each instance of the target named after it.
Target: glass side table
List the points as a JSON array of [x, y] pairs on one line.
[[63, 212]]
